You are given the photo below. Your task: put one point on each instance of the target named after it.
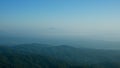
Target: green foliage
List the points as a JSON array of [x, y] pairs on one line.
[[13, 59], [19, 58]]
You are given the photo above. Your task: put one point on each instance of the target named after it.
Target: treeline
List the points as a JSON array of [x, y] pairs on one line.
[[10, 58]]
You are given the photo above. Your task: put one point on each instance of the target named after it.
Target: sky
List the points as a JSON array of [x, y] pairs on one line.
[[98, 19]]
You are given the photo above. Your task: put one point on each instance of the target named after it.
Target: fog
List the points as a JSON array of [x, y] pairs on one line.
[[61, 21]]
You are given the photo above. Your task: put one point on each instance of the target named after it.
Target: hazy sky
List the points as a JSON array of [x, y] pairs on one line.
[[59, 18]]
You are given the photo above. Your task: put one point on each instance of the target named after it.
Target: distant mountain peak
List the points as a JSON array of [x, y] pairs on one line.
[[65, 46]]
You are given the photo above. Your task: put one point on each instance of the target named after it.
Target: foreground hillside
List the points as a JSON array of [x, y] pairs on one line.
[[70, 54], [10, 58], [46, 56]]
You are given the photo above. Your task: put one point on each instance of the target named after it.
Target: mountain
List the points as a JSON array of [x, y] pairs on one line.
[[63, 56], [13, 59], [12, 39], [71, 54]]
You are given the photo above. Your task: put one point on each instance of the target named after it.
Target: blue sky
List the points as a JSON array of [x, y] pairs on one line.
[[80, 18]]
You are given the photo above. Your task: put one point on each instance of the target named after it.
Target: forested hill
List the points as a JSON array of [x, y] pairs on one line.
[[10, 58], [47, 56]]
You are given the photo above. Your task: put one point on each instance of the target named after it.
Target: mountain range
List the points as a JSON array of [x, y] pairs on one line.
[[49, 56]]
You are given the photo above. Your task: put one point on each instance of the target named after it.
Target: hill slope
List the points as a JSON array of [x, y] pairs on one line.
[[46, 56]]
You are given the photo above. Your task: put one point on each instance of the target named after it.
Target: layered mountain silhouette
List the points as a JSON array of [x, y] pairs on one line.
[[63, 56]]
